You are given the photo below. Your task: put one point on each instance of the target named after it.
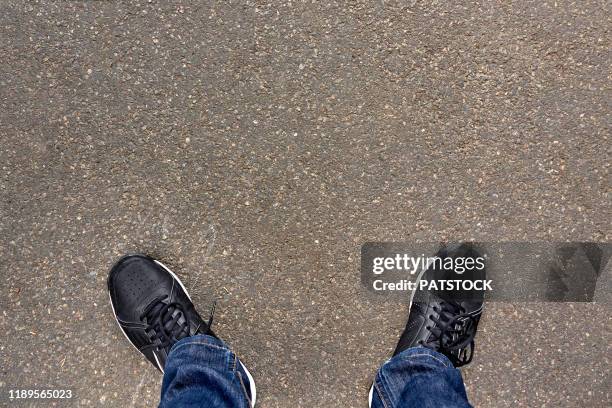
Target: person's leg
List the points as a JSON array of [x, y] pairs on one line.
[[418, 377], [203, 369], [155, 313], [438, 338]]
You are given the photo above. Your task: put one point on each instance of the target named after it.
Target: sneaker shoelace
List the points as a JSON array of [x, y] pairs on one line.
[[453, 333], [167, 323]]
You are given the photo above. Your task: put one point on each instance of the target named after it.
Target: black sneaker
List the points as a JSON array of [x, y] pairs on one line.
[[152, 307], [445, 322]]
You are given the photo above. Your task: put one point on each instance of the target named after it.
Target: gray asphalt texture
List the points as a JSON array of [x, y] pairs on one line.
[[254, 147]]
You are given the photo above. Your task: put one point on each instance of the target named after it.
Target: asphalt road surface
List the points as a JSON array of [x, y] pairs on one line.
[[254, 147]]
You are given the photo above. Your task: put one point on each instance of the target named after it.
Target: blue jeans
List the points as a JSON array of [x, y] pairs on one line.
[[201, 371], [418, 377]]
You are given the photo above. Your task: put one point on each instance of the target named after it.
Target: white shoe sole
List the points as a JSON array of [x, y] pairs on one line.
[[251, 380]]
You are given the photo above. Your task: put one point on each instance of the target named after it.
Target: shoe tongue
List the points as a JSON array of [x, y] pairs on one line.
[[174, 323], [167, 317], [155, 311]]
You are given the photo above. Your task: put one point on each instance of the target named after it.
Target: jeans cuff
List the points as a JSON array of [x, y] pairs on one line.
[[426, 355], [202, 339]]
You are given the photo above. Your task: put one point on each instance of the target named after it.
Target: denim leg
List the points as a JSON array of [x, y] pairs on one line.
[[419, 377], [202, 371]]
